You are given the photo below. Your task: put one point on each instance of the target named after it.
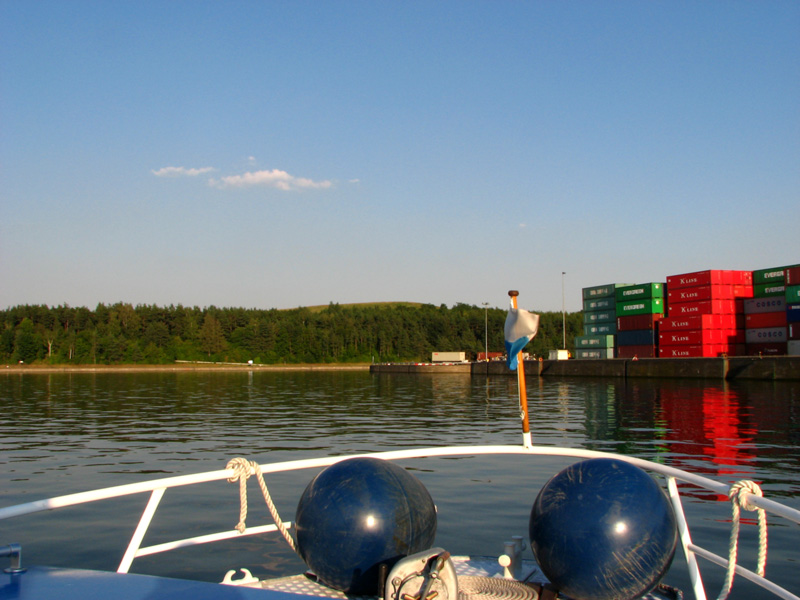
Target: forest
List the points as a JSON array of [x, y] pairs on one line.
[[361, 333]]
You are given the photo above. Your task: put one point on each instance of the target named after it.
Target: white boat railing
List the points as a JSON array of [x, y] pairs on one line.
[[158, 487]]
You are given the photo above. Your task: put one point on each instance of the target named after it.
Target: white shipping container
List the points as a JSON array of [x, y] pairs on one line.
[[449, 357], [793, 348], [763, 305], [766, 334]]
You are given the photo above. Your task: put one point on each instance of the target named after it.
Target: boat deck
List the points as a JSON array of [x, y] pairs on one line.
[[471, 572], [465, 566]]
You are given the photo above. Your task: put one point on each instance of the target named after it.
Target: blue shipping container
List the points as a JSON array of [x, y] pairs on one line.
[[793, 313], [637, 337]]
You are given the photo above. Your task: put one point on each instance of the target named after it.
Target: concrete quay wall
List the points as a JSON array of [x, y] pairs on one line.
[[782, 368], [418, 368]]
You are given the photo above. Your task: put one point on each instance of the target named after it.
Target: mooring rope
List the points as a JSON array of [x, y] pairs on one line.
[[738, 496], [242, 469]]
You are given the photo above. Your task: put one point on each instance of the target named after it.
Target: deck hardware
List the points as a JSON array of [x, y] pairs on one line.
[[15, 552]]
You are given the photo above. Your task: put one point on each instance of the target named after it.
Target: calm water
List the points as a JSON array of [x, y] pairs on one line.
[[64, 433]]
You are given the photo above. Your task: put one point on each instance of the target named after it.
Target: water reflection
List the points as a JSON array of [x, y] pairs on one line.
[[69, 432], [155, 421], [725, 430]]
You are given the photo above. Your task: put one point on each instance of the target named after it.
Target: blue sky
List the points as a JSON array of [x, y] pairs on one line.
[[283, 154]]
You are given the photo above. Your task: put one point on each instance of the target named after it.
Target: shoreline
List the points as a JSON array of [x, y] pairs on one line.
[[786, 368], [186, 367]]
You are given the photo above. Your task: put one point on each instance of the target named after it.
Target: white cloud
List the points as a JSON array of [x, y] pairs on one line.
[[180, 171], [275, 178]]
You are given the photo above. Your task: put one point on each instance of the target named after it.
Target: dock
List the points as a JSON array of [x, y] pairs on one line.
[[766, 368]]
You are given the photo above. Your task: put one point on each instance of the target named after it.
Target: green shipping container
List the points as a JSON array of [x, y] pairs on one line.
[[599, 316], [594, 353], [601, 291], [763, 290], [600, 303], [640, 291], [600, 328], [594, 341], [792, 294], [640, 307], [773, 275]]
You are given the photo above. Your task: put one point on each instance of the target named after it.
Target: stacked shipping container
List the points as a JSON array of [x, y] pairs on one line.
[[701, 314], [706, 314], [599, 322], [793, 309], [638, 309], [765, 325], [768, 329]]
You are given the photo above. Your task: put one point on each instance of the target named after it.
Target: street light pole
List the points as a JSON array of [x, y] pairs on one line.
[[563, 311], [486, 329]]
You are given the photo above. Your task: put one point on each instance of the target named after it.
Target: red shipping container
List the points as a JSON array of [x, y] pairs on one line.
[[635, 322], [710, 278], [701, 337], [637, 351], [767, 349], [792, 276], [708, 350], [769, 319], [794, 331], [702, 322], [709, 292], [735, 336], [706, 307]]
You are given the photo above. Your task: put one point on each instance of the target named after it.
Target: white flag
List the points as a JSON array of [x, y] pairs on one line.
[[521, 327]]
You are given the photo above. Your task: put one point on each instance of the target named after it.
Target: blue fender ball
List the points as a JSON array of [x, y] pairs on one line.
[[357, 514], [603, 529]]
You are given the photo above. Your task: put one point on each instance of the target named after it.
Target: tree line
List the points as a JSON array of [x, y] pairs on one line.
[[147, 334]]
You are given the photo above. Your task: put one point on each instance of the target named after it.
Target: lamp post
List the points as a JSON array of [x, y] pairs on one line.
[[563, 311], [486, 329]]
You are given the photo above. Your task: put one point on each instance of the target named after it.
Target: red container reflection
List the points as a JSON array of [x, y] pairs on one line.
[[713, 430]]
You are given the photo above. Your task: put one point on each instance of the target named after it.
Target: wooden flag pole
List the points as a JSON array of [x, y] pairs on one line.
[[523, 392]]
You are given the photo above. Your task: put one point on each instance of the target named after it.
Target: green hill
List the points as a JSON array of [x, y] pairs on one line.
[[336, 333], [321, 307]]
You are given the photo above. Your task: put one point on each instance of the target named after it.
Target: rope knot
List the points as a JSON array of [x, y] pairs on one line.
[[738, 495], [739, 491], [242, 469]]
